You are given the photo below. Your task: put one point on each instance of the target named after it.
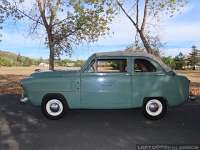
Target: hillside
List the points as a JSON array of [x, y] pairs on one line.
[[11, 59], [8, 55]]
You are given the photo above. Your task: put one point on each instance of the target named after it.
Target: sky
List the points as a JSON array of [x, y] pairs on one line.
[[177, 34]]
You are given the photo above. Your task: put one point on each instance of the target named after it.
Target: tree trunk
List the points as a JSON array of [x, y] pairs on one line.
[[145, 42], [48, 27], [51, 54]]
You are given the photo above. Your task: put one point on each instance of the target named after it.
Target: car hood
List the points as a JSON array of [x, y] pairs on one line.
[[55, 73]]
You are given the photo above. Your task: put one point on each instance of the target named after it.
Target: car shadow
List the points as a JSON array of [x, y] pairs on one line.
[[23, 126]]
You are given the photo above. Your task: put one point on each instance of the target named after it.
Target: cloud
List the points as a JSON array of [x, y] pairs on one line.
[[182, 31], [175, 51], [122, 32], [21, 39], [20, 42]]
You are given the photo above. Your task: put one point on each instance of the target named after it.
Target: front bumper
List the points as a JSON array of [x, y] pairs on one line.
[[23, 98]]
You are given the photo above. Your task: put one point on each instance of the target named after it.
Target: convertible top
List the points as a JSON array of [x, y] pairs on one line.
[[134, 53]]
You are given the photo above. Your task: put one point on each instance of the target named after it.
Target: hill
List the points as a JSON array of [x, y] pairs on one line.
[[11, 59], [8, 54]]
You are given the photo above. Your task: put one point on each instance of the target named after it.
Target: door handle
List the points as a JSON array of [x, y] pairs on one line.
[[77, 85]]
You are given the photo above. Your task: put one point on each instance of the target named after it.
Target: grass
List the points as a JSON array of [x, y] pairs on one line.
[[11, 76]]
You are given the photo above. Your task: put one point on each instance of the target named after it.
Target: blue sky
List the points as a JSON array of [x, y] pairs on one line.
[[178, 33]]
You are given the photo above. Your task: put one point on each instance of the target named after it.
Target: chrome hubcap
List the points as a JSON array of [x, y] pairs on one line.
[[54, 107], [153, 107]]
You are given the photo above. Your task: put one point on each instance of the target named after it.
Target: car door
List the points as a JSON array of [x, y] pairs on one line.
[[148, 80], [106, 83]]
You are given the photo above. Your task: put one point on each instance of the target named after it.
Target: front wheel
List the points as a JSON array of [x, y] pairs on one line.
[[155, 109], [53, 108]]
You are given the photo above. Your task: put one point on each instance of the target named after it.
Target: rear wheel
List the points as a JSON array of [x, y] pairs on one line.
[[154, 108], [54, 107]]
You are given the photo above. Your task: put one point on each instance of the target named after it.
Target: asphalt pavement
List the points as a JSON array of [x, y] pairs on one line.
[[23, 127]]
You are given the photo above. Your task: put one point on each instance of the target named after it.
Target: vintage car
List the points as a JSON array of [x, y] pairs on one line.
[[109, 80]]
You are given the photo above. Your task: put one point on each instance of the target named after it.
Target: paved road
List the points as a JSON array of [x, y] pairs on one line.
[[23, 127]]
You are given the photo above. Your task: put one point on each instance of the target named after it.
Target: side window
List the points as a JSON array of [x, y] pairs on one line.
[[111, 65], [143, 65]]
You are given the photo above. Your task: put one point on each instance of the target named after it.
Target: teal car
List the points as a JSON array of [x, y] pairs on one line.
[[109, 80]]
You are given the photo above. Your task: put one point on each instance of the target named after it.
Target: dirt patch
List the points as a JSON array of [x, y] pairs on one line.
[[10, 84], [17, 70], [194, 77], [10, 78]]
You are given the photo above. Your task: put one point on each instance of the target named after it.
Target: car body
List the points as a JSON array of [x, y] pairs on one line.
[[109, 80]]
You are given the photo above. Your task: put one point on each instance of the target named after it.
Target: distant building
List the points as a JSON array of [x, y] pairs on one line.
[[189, 65], [43, 65], [70, 64]]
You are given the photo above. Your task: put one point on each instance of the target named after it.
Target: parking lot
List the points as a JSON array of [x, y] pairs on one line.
[[23, 127]]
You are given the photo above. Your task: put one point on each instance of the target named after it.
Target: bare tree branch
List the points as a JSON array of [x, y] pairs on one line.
[[134, 23], [53, 11], [137, 11], [145, 15], [24, 14], [42, 13], [36, 25], [137, 22], [61, 21]]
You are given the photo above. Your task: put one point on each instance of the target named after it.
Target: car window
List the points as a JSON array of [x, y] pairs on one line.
[[143, 65], [112, 65]]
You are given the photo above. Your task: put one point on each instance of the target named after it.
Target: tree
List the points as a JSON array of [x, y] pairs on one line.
[[27, 61], [65, 22], [151, 10], [179, 61], [6, 10], [19, 59], [169, 61], [194, 57], [5, 62]]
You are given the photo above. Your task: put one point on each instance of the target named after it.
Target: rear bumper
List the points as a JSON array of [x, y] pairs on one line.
[[191, 96]]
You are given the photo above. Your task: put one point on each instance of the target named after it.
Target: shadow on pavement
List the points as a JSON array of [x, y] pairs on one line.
[[22, 126]]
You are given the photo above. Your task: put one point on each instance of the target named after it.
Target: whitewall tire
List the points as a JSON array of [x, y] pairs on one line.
[[154, 108], [54, 107]]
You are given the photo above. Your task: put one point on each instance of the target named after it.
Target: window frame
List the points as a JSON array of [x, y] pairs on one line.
[[128, 61], [157, 66], [110, 59], [89, 65]]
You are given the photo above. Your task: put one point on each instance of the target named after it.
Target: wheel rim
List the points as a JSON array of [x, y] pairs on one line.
[[54, 107], [154, 107]]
